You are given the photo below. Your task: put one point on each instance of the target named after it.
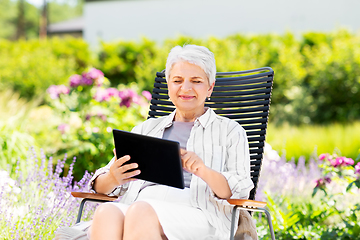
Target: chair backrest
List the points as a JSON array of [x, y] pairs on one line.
[[243, 96]]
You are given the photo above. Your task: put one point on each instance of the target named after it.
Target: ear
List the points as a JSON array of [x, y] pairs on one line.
[[211, 88]]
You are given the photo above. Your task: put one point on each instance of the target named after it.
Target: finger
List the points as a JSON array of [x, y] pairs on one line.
[[189, 163], [182, 151], [184, 159], [127, 167], [114, 151], [123, 159], [131, 174]]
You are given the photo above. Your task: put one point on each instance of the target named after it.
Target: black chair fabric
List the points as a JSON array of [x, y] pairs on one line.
[[243, 96]]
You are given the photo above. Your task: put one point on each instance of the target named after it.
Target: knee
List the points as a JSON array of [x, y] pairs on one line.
[[108, 211], [140, 209]]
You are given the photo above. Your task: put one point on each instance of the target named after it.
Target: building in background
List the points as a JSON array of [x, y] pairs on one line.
[[73, 27], [111, 20]]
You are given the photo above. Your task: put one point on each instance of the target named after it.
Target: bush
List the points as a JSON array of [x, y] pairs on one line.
[[88, 110], [312, 73], [30, 67]]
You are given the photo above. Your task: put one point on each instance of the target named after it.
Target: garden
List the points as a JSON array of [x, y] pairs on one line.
[[60, 100]]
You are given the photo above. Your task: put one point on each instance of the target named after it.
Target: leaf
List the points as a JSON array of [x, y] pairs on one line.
[[349, 186], [358, 157], [357, 183], [314, 191]]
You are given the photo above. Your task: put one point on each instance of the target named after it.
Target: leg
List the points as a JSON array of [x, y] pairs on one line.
[[108, 223], [141, 222]]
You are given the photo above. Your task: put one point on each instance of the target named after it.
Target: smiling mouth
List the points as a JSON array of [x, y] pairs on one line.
[[184, 97]]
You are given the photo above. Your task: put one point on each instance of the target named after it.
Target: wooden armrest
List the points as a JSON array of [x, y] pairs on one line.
[[97, 196], [247, 203]]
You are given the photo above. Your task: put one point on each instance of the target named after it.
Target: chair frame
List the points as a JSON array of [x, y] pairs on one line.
[[243, 90]]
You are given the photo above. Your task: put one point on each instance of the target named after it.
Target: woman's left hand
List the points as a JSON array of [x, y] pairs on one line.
[[192, 163], [216, 181]]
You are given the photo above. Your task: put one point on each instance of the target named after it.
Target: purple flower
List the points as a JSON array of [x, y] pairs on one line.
[[357, 168], [94, 75], [56, 90], [75, 80], [321, 182], [63, 128], [86, 81], [147, 95], [128, 96]]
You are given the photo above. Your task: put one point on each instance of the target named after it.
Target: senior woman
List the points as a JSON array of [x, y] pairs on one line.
[[215, 158]]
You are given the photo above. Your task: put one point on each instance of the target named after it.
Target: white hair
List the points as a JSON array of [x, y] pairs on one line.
[[198, 55]]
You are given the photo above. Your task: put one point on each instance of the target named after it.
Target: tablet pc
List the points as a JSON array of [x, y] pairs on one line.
[[158, 159]]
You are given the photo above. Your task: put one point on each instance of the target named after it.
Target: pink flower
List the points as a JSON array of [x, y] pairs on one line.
[[147, 95], [105, 94], [341, 161], [101, 95], [75, 80], [349, 161], [357, 168], [94, 73], [63, 128], [323, 156], [112, 92], [56, 90]]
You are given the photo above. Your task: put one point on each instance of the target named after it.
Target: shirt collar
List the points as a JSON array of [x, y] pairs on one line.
[[204, 120]]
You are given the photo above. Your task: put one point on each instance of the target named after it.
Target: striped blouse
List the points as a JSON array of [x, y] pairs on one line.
[[222, 144]]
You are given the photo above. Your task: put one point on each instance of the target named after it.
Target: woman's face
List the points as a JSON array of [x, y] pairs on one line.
[[188, 88]]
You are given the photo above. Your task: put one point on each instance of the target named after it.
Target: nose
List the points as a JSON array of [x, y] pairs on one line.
[[186, 86]]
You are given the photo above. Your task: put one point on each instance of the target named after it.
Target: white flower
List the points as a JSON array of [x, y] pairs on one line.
[[8, 184]]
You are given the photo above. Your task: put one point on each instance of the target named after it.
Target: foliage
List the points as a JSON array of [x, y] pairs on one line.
[[9, 19], [14, 137], [64, 10], [36, 202], [331, 213], [89, 109], [313, 72], [21, 70], [311, 140], [57, 11]]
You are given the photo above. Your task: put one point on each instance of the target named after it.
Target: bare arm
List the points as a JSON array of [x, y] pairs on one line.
[[107, 182]]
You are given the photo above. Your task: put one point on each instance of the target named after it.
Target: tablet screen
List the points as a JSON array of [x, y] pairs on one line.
[[158, 159]]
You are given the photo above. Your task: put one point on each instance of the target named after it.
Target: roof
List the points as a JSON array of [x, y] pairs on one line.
[[72, 25]]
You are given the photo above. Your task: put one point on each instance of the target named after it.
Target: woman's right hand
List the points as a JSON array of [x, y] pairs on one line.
[[117, 176], [118, 170]]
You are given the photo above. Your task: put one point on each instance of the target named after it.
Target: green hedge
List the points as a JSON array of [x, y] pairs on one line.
[[317, 75], [30, 67]]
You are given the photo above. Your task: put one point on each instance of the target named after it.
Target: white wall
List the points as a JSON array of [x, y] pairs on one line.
[[160, 19]]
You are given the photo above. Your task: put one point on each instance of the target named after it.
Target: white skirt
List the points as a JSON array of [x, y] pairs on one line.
[[179, 220]]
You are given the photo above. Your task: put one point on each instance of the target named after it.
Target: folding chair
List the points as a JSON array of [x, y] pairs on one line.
[[243, 96]]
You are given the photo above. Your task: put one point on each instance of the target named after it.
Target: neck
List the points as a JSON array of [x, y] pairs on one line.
[[182, 116]]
